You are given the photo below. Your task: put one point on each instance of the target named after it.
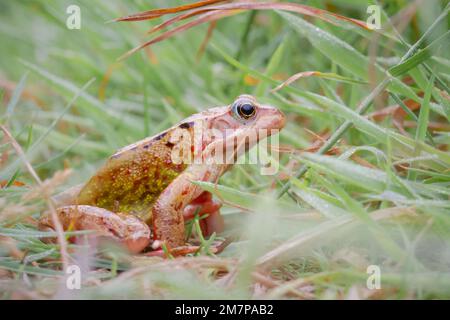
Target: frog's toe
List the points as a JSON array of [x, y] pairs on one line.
[[192, 209], [206, 205], [136, 245]]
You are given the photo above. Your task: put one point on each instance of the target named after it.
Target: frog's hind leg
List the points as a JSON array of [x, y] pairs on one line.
[[206, 205], [124, 228]]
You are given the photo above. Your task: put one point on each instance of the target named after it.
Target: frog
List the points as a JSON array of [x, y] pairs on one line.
[[143, 195]]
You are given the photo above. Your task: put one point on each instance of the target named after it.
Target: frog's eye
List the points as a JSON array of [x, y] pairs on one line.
[[244, 109]]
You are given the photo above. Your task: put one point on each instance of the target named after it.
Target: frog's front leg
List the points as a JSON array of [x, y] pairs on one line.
[[202, 205], [124, 228], [167, 212], [182, 199]]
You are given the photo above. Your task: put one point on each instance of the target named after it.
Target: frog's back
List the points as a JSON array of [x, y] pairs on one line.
[[132, 179]]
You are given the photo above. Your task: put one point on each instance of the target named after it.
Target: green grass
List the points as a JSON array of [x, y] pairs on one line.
[[380, 198]]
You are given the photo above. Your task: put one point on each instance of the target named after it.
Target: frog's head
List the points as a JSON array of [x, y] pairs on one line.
[[245, 113], [241, 124]]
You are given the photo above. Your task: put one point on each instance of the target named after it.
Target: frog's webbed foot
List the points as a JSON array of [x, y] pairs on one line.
[[126, 229], [205, 205]]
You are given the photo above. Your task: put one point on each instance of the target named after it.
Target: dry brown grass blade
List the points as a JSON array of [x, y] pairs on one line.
[[433, 125], [246, 5], [105, 81], [294, 78], [205, 41], [394, 110], [143, 264], [270, 283], [292, 150], [177, 18], [152, 14], [397, 113], [212, 13], [316, 144], [207, 17], [58, 227], [286, 6], [27, 94], [15, 183]]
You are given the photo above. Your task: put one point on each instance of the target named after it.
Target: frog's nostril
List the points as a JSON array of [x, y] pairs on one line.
[[271, 118], [282, 121], [279, 120]]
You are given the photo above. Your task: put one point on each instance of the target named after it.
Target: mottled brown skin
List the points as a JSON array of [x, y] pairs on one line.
[[140, 186], [133, 178]]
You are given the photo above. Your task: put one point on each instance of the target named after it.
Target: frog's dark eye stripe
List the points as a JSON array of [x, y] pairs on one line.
[[244, 109]]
